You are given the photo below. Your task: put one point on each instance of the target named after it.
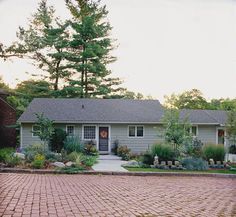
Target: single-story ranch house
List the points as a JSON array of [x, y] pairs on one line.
[[135, 123]]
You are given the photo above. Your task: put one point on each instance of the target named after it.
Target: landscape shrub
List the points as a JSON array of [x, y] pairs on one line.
[[12, 161], [4, 152], [72, 143], [232, 149], [32, 150], [147, 158], [90, 149], [123, 152], [194, 163], [88, 161], [115, 147], [215, 152], [38, 162], [57, 140], [164, 151], [193, 148]]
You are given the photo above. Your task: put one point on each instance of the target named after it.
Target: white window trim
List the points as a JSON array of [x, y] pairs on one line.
[[96, 132], [135, 136], [73, 129], [191, 130], [32, 131]]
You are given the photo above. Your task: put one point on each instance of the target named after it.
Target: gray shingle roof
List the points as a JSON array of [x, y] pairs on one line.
[[112, 111], [95, 110]]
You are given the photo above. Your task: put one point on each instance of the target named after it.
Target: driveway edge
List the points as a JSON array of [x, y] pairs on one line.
[[39, 171]]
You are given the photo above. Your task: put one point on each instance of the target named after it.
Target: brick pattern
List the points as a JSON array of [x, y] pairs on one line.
[[99, 195], [7, 117]]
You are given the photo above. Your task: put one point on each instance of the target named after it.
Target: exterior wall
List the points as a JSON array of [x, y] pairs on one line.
[[7, 117], [27, 138], [152, 134]]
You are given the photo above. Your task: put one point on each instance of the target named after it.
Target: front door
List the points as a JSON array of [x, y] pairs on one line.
[[103, 139]]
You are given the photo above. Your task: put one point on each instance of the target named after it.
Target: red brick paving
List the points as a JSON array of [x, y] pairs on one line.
[[94, 195]]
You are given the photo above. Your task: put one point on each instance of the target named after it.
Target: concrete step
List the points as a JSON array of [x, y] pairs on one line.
[[109, 157]]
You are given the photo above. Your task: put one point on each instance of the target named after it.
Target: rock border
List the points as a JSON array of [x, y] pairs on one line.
[[91, 172]]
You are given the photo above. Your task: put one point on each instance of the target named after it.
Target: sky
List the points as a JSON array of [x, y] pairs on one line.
[[164, 46]]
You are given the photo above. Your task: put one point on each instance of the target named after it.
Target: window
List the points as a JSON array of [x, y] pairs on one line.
[[89, 132], [70, 130], [131, 131], [35, 130], [194, 130], [135, 131], [140, 131]]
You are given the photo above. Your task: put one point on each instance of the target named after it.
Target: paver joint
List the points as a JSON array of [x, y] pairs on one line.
[[100, 195]]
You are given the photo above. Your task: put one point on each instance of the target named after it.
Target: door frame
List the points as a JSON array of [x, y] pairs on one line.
[[220, 128], [109, 139]]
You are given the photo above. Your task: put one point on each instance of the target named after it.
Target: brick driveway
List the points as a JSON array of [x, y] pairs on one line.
[[94, 195]]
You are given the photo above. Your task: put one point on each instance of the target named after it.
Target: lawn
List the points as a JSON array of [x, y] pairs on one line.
[[222, 171]]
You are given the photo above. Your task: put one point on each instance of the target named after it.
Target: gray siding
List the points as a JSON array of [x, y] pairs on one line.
[[152, 134]]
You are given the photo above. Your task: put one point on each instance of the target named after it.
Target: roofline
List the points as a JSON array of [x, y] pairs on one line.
[[111, 122]]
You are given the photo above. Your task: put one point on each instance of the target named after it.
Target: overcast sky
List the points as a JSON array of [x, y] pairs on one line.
[[165, 46]]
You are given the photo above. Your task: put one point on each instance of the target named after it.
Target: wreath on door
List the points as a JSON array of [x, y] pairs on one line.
[[103, 134]]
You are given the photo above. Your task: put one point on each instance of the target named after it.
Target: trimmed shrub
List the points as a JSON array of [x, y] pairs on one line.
[[90, 149], [33, 150], [232, 149], [38, 162], [164, 151], [215, 152], [147, 158], [123, 152], [88, 161], [73, 144], [194, 164], [57, 140], [4, 153], [12, 161]]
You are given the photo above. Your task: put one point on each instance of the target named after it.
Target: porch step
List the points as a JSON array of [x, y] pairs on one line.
[[109, 157]]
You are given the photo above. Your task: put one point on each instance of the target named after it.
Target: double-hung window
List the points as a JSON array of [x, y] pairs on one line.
[[136, 131], [89, 132], [70, 130], [35, 130]]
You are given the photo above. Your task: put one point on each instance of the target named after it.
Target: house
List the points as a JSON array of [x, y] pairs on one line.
[[135, 123], [7, 119]]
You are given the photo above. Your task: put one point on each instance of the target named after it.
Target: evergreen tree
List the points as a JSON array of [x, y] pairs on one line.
[[89, 51]]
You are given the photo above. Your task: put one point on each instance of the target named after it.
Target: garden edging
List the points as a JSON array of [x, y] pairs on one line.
[[39, 171]]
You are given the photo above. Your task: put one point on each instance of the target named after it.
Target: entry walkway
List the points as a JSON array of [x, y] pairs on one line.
[[111, 163]]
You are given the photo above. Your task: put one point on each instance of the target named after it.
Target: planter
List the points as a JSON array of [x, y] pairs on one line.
[[231, 158]]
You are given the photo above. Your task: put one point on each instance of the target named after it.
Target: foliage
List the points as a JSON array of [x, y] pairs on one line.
[[215, 152], [164, 151], [147, 158], [123, 152], [192, 148], [90, 149], [72, 143], [72, 156], [232, 149], [4, 153], [12, 161], [176, 130], [38, 162], [194, 164], [231, 127], [192, 99], [57, 140], [72, 170], [32, 150], [89, 161], [46, 129]]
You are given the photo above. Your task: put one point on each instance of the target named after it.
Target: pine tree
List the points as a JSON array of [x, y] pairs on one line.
[[89, 51]]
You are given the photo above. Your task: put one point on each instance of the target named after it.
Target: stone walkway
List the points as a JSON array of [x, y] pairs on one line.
[[28, 195], [111, 163]]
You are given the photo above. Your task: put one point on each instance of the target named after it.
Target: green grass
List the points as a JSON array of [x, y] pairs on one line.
[[221, 171]]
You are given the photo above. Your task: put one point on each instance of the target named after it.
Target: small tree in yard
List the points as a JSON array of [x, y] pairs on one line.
[[177, 131], [46, 129], [231, 127]]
